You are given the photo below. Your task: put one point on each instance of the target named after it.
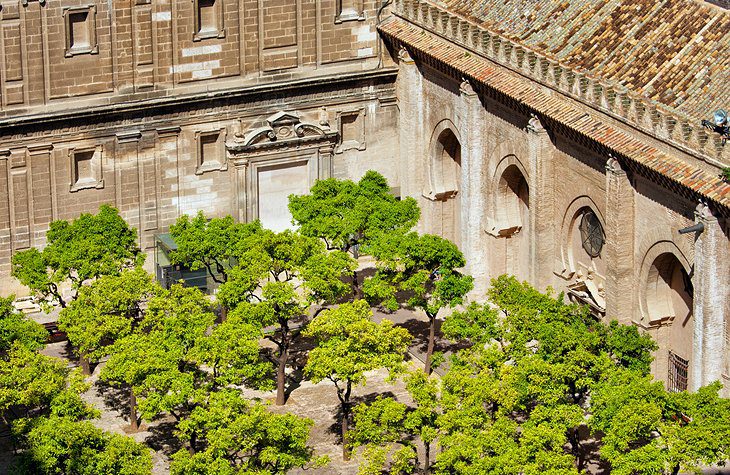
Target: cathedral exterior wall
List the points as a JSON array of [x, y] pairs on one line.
[[645, 273], [134, 106]]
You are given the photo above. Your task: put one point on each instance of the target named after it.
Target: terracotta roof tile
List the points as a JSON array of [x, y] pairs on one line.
[[674, 52], [558, 109]]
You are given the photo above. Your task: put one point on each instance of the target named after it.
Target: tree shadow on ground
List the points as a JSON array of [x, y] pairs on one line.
[[336, 428], [419, 330], [115, 397], [162, 438]]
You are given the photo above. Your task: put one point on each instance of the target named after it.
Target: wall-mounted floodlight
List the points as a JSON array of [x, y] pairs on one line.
[[719, 124], [697, 228]]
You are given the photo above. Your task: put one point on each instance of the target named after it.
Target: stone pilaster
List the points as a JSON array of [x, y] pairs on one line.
[[472, 184], [127, 182], [167, 160], [543, 230], [711, 301], [619, 247], [413, 169]]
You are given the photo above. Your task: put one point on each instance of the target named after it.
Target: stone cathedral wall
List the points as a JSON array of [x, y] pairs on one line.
[[132, 103]]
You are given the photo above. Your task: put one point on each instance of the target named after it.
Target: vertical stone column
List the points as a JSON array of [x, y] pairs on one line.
[[241, 194], [542, 205], [472, 186], [619, 247], [412, 173], [711, 300]]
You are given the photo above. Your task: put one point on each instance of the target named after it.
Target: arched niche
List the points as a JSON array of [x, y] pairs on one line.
[[511, 199], [445, 182], [668, 302]]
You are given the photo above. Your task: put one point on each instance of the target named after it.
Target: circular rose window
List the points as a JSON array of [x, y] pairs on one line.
[[591, 234]]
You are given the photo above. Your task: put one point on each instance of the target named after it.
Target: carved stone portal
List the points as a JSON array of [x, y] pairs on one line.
[[285, 156]]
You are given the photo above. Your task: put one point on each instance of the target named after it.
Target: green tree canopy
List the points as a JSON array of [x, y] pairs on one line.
[[209, 243], [61, 445], [14, 327], [235, 436], [279, 276], [157, 362], [348, 216], [425, 267], [389, 430], [105, 311], [76, 252], [545, 387], [348, 345]]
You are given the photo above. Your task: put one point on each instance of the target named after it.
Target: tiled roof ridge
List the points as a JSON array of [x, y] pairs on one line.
[[702, 183], [646, 114]]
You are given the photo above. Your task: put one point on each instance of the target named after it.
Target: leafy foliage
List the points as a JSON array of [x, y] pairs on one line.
[[425, 268], [346, 214], [105, 311], [157, 362], [278, 277], [14, 327], [348, 345], [209, 243], [40, 400], [240, 436], [76, 252], [542, 384], [62, 445]]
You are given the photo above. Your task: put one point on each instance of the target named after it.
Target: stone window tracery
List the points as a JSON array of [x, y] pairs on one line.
[[591, 234]]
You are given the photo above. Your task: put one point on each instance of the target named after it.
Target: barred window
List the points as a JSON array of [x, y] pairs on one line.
[[678, 371]]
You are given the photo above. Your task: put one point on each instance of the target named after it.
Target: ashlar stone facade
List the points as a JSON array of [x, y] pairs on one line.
[[522, 191], [534, 168]]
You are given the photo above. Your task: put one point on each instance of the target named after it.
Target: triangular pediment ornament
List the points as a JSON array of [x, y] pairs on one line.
[[282, 128], [283, 118]]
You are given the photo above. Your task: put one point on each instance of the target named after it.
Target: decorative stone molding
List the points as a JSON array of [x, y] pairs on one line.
[[645, 114], [129, 136], [284, 129], [404, 56]]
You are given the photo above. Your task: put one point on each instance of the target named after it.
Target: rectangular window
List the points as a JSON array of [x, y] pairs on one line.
[[208, 19], [85, 168], [211, 151], [678, 372], [80, 30], [348, 10]]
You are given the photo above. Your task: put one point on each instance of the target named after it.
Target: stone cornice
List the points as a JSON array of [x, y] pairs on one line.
[[644, 114], [96, 114]]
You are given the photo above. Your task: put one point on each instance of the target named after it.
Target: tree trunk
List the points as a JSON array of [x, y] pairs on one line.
[[345, 401], [345, 417], [193, 443], [85, 365], [224, 313], [356, 290], [431, 342], [427, 461], [133, 421], [281, 377]]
